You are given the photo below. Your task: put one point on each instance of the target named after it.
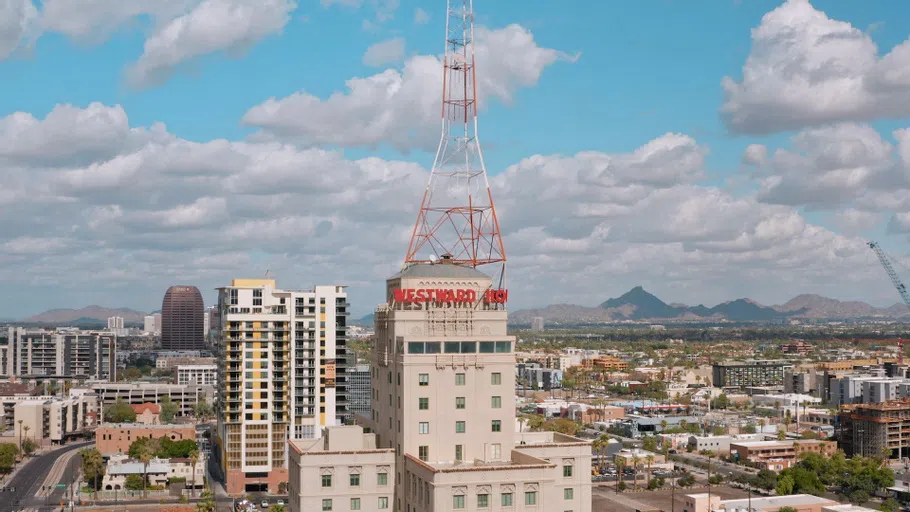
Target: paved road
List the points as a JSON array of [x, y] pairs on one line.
[[28, 480]]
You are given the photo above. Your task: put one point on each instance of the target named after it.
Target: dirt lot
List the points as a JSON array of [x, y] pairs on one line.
[[605, 498]]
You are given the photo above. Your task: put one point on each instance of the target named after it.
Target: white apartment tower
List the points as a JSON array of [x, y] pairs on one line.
[[281, 375]]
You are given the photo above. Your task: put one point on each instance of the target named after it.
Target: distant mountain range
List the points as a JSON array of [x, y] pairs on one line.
[[639, 305], [88, 314]]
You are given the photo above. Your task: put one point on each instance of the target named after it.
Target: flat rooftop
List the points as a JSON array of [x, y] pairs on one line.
[[775, 502]]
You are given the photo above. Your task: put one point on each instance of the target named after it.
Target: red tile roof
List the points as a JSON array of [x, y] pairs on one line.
[[148, 406]]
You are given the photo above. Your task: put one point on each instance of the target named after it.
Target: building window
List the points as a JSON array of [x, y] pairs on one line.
[[424, 404], [423, 453], [505, 499], [567, 471], [497, 426], [459, 427], [483, 500], [355, 503], [326, 505], [459, 402], [458, 502], [568, 494], [383, 502], [355, 480], [496, 402], [459, 379], [424, 427], [459, 452], [326, 480], [382, 479], [496, 378], [531, 498], [423, 379]]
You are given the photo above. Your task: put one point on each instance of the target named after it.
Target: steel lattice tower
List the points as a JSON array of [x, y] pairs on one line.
[[457, 220]]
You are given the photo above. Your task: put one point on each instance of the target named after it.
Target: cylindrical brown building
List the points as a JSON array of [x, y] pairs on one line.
[[182, 319]]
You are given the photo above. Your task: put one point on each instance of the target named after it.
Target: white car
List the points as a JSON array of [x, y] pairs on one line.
[[280, 502], [264, 504]]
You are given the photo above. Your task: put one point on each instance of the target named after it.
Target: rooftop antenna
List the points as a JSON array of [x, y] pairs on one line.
[[457, 215]]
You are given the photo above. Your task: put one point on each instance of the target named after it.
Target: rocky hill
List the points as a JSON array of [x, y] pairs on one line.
[[63, 316], [639, 305]]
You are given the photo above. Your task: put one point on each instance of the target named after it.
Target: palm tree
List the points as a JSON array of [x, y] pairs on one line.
[[20, 436], [620, 462], [650, 459], [663, 425], [635, 463], [146, 452], [92, 467], [26, 429], [194, 458]]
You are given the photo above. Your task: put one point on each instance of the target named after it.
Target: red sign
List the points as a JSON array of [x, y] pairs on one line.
[[460, 296]]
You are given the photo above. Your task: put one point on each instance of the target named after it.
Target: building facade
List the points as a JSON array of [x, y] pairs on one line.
[[282, 375], [182, 312], [62, 353], [201, 374], [869, 430], [51, 420], [359, 391], [779, 455], [740, 374], [137, 393], [114, 438]]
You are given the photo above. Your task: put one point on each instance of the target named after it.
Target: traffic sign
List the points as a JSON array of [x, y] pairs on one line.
[[61, 486]]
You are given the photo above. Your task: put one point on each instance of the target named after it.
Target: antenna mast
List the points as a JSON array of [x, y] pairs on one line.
[[457, 221]]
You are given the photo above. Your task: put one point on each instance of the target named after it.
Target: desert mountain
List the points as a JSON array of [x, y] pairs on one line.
[[62, 316], [639, 305]]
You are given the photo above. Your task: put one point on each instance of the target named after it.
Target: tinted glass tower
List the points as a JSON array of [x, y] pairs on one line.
[[182, 319]]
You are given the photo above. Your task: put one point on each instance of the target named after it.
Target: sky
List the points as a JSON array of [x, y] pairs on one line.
[[733, 149]]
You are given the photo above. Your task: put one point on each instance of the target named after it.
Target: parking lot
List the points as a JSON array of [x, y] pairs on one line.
[[605, 498]]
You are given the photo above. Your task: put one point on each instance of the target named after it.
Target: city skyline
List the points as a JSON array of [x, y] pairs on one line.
[[209, 157]]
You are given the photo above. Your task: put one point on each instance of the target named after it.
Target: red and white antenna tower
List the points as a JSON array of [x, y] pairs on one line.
[[457, 221]]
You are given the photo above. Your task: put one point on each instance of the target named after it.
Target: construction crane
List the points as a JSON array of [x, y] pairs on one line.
[[901, 289]]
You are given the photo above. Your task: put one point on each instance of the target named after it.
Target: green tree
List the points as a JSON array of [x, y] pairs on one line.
[[120, 412], [29, 446], [145, 453], [135, 482], [131, 374], [202, 409], [787, 509], [686, 481], [276, 508], [649, 443], [784, 485], [765, 479], [890, 505], [562, 425], [207, 504], [92, 468], [721, 402], [8, 454], [749, 429], [169, 410]]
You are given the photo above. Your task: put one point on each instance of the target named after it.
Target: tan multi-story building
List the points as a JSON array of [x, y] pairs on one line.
[[281, 376], [606, 363], [51, 420], [780, 455], [443, 403]]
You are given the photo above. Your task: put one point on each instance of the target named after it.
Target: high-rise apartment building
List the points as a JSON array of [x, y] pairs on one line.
[[182, 324], [537, 323], [442, 416], [80, 354], [281, 375], [114, 323], [359, 391], [148, 324]]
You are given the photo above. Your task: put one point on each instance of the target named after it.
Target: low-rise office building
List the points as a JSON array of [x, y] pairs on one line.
[[114, 438], [51, 420], [706, 502], [199, 374], [779, 455], [136, 393]]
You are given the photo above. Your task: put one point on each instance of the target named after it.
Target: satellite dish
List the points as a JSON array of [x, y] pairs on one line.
[[433, 258]]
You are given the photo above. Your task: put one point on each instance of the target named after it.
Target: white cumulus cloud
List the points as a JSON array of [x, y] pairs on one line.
[[384, 52]]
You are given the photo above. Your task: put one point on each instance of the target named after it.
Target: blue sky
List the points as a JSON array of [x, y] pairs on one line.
[[644, 69]]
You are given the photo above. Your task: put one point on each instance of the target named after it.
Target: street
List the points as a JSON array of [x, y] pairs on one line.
[[20, 492]]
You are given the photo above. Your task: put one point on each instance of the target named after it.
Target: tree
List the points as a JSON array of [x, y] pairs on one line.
[[620, 461], [276, 508], [194, 459], [131, 374], [135, 482], [145, 452], [721, 402], [765, 479], [207, 504], [169, 410], [650, 459], [29, 446], [649, 443], [686, 481], [636, 462], [787, 509], [8, 454], [92, 468], [283, 488], [202, 409], [749, 429], [120, 412], [890, 505], [562, 425]]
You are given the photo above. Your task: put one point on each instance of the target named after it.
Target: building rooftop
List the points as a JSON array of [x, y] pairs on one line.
[[440, 270], [776, 502], [148, 406], [141, 425], [789, 442]]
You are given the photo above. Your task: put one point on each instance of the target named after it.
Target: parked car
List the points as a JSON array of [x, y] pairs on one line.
[[264, 504]]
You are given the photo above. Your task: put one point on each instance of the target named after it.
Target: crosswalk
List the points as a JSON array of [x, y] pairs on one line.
[[29, 509]]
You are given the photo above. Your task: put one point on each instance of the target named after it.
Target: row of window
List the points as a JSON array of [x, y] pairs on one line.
[[423, 379], [424, 427], [505, 499], [382, 479], [423, 403], [327, 504], [459, 347]]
